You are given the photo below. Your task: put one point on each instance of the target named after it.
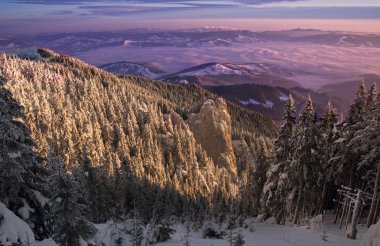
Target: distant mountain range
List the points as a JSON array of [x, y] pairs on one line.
[[258, 87], [77, 42], [280, 62]]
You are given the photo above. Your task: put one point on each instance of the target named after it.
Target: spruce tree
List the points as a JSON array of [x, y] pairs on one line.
[[67, 209], [358, 109], [137, 230], [351, 148], [366, 143], [306, 161], [329, 134], [277, 186], [21, 171]]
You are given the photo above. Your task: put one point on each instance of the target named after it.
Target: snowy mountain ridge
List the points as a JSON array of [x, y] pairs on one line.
[[130, 68]]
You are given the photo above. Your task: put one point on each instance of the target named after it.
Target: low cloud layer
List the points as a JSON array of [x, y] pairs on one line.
[[325, 64]]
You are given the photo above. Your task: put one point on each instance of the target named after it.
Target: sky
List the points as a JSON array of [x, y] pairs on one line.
[[54, 16]]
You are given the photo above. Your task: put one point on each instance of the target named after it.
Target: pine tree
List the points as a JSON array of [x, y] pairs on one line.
[[235, 237], [351, 148], [306, 163], [137, 231], [21, 171], [239, 239], [68, 221], [367, 142], [186, 237], [357, 110], [97, 190], [372, 99], [277, 186], [329, 134]]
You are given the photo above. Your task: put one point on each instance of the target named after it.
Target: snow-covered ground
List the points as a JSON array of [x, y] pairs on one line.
[[13, 229], [273, 235], [255, 234]]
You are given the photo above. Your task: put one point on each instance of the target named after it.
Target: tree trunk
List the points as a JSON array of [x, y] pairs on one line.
[[377, 208], [348, 217], [299, 202], [360, 215], [351, 233], [371, 216], [324, 193], [352, 174], [339, 206], [343, 212]]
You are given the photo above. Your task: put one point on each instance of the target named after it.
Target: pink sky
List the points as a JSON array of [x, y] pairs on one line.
[[115, 24], [354, 25]]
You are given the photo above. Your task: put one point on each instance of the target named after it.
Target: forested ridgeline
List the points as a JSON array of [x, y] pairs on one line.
[[109, 144], [109, 147]]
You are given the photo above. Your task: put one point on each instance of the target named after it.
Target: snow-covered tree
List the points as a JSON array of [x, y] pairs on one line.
[[329, 134], [137, 230], [67, 208], [21, 171], [306, 162], [277, 187]]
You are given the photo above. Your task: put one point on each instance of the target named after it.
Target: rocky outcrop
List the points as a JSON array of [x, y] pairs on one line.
[[212, 129], [174, 120]]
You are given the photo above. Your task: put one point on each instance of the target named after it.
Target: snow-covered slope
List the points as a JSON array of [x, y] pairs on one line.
[[130, 68], [13, 229], [215, 74], [372, 236], [213, 69], [254, 233], [248, 69], [271, 235]]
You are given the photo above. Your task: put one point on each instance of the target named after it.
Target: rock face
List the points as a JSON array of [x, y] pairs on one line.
[[212, 129]]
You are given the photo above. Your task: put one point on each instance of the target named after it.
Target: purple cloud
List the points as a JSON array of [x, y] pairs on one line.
[[196, 3], [112, 10]]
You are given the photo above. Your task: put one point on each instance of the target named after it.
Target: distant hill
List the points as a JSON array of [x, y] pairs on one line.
[[215, 74], [347, 90], [270, 100], [130, 68]]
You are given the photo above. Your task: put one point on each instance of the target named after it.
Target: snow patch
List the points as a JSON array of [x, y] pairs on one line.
[[372, 237], [40, 198], [45, 242], [127, 42], [13, 230], [283, 97], [250, 101], [25, 211], [14, 155], [268, 104]]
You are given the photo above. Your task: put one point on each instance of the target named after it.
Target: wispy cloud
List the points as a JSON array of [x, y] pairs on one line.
[[112, 10], [60, 12], [157, 3], [112, 14]]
